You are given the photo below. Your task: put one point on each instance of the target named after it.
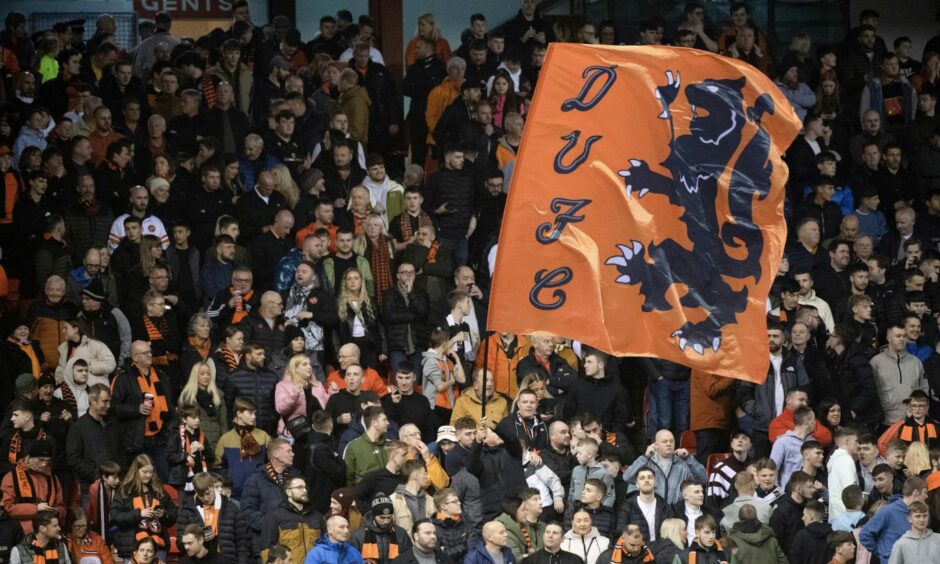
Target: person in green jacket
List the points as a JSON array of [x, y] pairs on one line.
[[367, 453], [344, 254], [755, 541], [520, 516]]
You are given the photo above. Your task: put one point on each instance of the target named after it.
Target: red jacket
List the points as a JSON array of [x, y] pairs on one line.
[[784, 422]]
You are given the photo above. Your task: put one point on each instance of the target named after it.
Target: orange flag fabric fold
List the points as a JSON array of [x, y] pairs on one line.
[[645, 214]]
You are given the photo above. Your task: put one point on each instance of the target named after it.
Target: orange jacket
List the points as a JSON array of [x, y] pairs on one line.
[[784, 422], [371, 382], [439, 98], [711, 398], [504, 369], [309, 229], [24, 510], [95, 548]]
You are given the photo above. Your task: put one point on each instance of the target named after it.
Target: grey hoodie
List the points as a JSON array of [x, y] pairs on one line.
[[431, 363], [916, 550]]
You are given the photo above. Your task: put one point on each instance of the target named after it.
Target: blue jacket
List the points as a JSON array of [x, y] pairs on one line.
[[885, 528], [479, 555], [329, 552]]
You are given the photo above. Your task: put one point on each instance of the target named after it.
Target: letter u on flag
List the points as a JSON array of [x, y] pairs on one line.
[[645, 215]]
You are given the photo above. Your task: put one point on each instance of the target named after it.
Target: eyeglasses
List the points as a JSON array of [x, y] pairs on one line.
[[244, 280], [297, 487]]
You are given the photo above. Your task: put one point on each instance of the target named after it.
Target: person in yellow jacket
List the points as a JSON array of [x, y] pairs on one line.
[[470, 403], [417, 450]]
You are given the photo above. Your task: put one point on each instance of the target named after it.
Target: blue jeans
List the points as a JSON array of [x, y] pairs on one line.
[[672, 405], [397, 357], [461, 249]]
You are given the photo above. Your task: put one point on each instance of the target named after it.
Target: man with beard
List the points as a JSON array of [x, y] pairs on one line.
[[765, 401], [831, 280], [293, 521], [558, 457], [489, 214], [88, 222], [424, 547], [379, 539], [342, 176]]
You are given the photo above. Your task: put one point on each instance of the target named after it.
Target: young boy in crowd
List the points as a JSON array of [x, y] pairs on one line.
[[810, 543], [100, 495], [549, 486], [920, 544], [705, 546], [588, 467], [767, 488], [187, 450], [602, 517], [853, 500]]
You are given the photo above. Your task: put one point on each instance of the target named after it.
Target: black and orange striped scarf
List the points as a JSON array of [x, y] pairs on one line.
[[241, 312], [231, 360], [432, 252], [370, 548], [155, 329], [149, 384], [202, 346], [188, 451], [16, 445], [48, 554], [618, 553], [25, 490], [526, 538], [208, 90], [278, 479], [404, 221], [380, 259], [717, 549], [67, 396]]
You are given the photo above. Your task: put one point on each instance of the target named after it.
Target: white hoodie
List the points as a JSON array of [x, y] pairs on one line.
[[588, 547]]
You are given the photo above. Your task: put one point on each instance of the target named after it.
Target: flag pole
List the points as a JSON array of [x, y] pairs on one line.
[[486, 359]]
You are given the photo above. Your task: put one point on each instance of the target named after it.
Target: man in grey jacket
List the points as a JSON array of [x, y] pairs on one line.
[[670, 466], [897, 374]]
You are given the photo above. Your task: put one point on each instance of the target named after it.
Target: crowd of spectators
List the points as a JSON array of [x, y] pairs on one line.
[[237, 328]]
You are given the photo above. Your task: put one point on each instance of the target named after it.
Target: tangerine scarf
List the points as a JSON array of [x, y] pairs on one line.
[[148, 384]]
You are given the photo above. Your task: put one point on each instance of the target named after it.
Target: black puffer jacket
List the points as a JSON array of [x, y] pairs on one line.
[[859, 389], [500, 477], [455, 188], [384, 538], [258, 386], [455, 536], [232, 540], [87, 229], [400, 316], [126, 518], [258, 331]]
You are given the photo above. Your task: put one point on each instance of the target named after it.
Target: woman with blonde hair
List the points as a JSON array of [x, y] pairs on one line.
[[375, 244], [285, 185], [298, 394], [428, 29], [202, 392], [534, 382], [141, 508], [671, 541], [917, 460], [358, 320]]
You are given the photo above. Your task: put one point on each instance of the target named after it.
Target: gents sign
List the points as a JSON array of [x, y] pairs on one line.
[[185, 9]]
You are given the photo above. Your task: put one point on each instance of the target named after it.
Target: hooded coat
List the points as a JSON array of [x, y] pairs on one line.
[[756, 543], [326, 551], [384, 538], [296, 529]]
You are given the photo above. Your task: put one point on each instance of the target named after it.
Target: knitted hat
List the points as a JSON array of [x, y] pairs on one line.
[[25, 382], [157, 182], [381, 505], [309, 179], [94, 291], [346, 497], [40, 448], [291, 332], [45, 380]]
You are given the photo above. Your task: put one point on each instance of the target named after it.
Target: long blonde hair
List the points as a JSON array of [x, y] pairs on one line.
[[917, 458], [131, 484], [346, 297], [674, 530], [285, 185], [290, 373], [435, 30], [188, 395], [361, 244]]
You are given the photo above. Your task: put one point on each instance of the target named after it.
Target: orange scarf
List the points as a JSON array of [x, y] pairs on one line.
[[34, 365], [16, 444], [45, 554], [154, 423], [617, 555], [149, 527], [432, 252], [240, 311], [25, 491], [187, 451], [202, 346]]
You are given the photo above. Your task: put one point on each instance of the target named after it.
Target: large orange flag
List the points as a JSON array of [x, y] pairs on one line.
[[645, 215]]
